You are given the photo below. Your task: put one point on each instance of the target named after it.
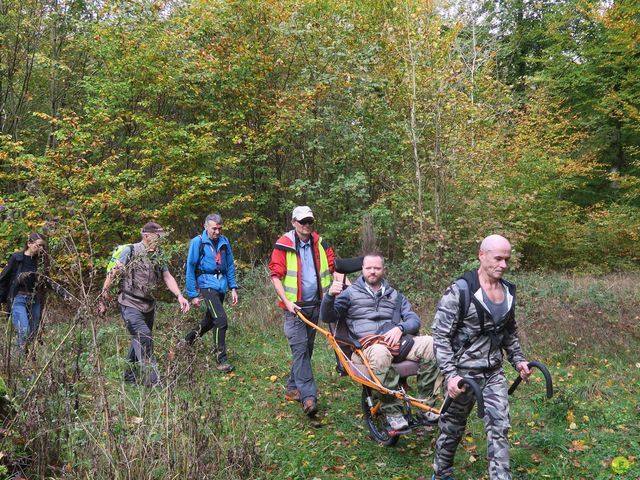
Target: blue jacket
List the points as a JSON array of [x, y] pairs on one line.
[[200, 274]]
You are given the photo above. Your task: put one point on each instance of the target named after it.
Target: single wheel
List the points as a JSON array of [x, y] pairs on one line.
[[376, 422]]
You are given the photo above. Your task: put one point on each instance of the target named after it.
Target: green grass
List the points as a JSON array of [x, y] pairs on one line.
[[240, 426]]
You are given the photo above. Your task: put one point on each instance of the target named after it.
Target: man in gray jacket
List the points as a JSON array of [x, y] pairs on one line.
[[369, 307], [474, 323]]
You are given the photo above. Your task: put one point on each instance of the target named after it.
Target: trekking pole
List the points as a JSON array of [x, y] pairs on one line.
[[547, 379], [476, 392]]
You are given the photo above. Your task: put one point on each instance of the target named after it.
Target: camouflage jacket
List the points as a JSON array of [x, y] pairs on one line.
[[460, 346]]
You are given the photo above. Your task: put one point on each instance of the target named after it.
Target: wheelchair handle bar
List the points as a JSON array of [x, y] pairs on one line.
[[476, 392], [547, 379]]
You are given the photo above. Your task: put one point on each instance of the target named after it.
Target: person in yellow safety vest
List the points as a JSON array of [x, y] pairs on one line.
[[301, 269]]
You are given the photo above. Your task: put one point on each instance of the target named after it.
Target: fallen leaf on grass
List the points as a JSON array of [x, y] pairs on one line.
[[470, 448], [273, 378], [578, 446], [620, 465], [335, 468], [571, 416]]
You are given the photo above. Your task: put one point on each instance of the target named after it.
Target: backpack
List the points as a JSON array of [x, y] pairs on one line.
[[467, 284], [117, 252], [217, 257], [7, 287]]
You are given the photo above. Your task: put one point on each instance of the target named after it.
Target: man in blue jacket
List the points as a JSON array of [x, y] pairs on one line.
[[210, 273]]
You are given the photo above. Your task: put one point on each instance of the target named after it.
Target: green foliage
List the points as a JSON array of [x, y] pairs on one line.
[[441, 126]]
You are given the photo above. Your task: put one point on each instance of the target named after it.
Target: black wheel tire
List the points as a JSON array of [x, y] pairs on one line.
[[376, 423]]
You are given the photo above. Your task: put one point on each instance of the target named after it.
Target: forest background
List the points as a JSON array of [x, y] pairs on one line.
[[434, 123]]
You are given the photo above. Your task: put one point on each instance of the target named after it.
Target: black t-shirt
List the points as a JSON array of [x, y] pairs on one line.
[[27, 277]]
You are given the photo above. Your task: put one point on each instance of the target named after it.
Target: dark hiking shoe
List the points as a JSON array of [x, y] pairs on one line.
[[224, 367], [130, 377], [310, 407], [428, 419], [444, 478], [292, 395], [152, 383], [341, 370]]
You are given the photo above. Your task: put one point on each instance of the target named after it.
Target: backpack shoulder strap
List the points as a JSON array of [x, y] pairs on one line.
[[398, 309], [130, 255], [465, 298], [200, 255], [469, 283]]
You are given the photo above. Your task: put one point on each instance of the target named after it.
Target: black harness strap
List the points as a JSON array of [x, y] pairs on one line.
[[217, 271], [468, 284]]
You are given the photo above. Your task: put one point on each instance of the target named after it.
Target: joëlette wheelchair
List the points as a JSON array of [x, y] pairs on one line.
[[346, 346]]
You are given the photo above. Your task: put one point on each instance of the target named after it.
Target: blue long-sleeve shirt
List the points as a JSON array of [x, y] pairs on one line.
[[211, 266]]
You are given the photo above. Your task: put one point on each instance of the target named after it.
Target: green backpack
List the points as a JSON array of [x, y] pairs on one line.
[[117, 252]]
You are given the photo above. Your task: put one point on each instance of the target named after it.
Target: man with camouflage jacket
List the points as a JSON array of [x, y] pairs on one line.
[[473, 324]]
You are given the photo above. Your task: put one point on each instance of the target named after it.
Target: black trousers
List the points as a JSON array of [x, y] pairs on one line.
[[214, 318]]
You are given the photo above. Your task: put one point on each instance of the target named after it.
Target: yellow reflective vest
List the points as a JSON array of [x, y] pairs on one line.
[[291, 281]]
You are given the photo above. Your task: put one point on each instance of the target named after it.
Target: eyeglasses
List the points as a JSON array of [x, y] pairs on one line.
[[306, 221]]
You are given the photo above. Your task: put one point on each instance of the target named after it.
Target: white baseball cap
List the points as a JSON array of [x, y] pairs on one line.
[[301, 212]]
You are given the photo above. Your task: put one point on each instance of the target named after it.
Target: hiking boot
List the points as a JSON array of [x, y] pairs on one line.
[[341, 370], [224, 367], [397, 422], [130, 377], [152, 383], [292, 395], [310, 407], [428, 419]]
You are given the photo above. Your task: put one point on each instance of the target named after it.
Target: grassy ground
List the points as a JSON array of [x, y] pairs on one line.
[[202, 424]]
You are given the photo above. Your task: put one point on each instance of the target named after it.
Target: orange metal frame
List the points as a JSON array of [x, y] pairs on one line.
[[374, 383]]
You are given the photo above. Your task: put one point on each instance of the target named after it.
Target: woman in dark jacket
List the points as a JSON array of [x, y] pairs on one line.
[[22, 285]]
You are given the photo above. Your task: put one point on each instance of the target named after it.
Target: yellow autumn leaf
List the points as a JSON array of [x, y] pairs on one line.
[[571, 416], [620, 465], [273, 378]]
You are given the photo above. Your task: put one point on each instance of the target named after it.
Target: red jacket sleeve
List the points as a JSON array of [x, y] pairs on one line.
[[278, 263], [331, 258]]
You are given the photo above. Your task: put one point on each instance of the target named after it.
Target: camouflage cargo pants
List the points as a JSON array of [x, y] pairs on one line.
[[496, 423]]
